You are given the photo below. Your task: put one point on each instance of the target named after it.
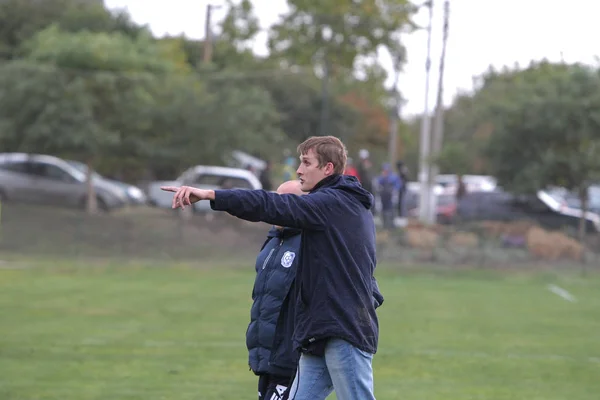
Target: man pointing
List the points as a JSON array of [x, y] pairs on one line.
[[336, 327]]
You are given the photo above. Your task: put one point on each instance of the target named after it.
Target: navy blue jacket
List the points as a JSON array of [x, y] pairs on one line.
[[276, 265], [334, 279]]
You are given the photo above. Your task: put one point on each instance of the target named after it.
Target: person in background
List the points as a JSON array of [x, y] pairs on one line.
[[364, 170], [461, 192], [250, 167], [387, 183], [461, 188], [403, 174], [351, 170], [289, 169], [265, 177], [271, 355]]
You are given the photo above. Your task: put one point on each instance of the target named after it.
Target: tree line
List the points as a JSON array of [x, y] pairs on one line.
[[531, 127], [80, 81]]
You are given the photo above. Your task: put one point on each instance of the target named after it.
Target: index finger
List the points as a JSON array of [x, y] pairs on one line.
[[169, 188]]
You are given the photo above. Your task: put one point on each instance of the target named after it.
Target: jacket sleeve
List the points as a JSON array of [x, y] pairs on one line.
[[399, 183], [304, 212], [377, 296]]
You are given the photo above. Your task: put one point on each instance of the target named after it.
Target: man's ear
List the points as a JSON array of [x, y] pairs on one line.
[[329, 168]]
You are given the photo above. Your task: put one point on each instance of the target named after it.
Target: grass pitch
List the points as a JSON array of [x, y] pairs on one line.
[[76, 331]]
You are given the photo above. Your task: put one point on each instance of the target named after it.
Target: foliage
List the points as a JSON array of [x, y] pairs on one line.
[[546, 128], [338, 31], [298, 98], [199, 123], [89, 84], [547, 116], [455, 158], [467, 132], [22, 19], [240, 25]]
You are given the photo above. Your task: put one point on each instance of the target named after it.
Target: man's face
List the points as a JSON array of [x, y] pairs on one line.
[[309, 172]]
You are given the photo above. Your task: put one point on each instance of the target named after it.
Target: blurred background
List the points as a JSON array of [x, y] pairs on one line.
[[475, 124]]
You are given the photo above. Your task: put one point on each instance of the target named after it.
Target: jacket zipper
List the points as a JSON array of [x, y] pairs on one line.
[[271, 253], [268, 259]]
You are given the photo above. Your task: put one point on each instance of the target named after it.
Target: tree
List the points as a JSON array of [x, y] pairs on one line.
[[240, 25], [455, 158], [232, 47], [298, 99], [20, 20], [372, 120], [372, 104], [86, 94], [337, 32], [546, 129]]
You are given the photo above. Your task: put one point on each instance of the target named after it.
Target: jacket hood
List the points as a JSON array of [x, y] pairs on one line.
[[350, 185]]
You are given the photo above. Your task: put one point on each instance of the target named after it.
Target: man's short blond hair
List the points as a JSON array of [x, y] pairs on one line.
[[328, 149]]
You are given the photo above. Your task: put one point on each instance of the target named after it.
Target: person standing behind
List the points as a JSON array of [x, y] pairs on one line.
[[403, 174], [364, 170], [365, 174], [265, 177], [351, 170], [271, 355], [387, 184], [336, 326]]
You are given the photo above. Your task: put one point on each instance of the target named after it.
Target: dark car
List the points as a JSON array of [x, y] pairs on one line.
[[541, 208], [445, 210]]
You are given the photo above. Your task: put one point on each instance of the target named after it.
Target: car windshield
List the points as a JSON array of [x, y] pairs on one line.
[[81, 167], [571, 199]]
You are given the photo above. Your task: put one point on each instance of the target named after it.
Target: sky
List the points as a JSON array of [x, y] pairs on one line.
[[481, 33]]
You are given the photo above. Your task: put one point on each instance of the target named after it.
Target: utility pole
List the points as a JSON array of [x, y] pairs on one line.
[[324, 124], [438, 123], [424, 202], [395, 114], [207, 54]]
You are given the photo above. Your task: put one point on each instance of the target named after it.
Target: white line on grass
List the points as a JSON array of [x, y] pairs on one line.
[[562, 293]]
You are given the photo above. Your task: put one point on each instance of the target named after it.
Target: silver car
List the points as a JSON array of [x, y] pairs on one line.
[[43, 179], [134, 194], [204, 177]]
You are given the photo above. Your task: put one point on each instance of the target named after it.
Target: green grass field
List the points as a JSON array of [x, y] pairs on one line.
[[73, 331]]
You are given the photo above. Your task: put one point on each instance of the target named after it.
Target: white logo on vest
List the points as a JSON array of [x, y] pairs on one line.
[[288, 259]]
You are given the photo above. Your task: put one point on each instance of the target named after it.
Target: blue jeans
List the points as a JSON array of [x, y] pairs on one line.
[[344, 368]]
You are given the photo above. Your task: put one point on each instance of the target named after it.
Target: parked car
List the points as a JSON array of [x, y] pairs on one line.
[[446, 208], [135, 195], [473, 183], [571, 199], [44, 179], [413, 194], [204, 177], [542, 208]]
